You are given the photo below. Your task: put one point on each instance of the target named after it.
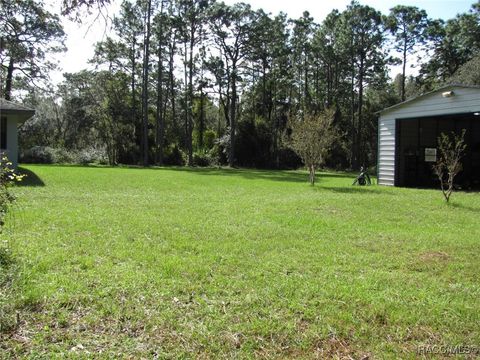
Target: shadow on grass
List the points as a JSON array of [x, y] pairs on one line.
[[365, 190], [464, 207], [246, 173], [255, 174], [31, 179]]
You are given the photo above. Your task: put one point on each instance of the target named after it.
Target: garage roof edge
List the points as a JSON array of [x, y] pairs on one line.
[[449, 86]]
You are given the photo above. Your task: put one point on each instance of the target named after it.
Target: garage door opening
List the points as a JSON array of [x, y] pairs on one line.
[[417, 149]]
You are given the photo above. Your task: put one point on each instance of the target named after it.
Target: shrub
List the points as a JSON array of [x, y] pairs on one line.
[[48, 155], [219, 152], [91, 156], [39, 155], [174, 156], [64, 156], [311, 139], [7, 179], [209, 139], [202, 158], [288, 159], [448, 165]]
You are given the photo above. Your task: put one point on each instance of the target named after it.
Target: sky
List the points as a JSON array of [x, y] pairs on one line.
[[81, 38]]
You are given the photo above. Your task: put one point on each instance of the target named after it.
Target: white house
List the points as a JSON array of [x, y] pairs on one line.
[[408, 133], [11, 115]]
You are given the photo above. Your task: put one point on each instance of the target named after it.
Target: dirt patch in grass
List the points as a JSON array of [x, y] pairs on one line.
[[336, 348], [434, 256]]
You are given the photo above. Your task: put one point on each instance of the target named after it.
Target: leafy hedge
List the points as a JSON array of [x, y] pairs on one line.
[[49, 155]]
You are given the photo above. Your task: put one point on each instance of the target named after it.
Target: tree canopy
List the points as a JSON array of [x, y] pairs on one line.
[[203, 82]]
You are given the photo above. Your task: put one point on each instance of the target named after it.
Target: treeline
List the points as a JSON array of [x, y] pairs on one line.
[[201, 82]]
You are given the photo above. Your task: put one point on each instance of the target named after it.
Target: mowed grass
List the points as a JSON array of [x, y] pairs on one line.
[[206, 263]]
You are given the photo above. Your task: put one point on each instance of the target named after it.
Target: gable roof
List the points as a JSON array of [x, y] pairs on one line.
[[22, 112], [443, 88]]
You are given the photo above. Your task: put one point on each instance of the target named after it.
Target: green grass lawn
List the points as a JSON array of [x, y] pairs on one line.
[[122, 262]]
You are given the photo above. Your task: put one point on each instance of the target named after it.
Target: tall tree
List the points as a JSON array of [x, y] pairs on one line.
[[365, 39], [231, 26], [193, 14], [452, 44], [408, 25], [145, 80], [269, 56], [160, 23], [303, 29], [29, 33]]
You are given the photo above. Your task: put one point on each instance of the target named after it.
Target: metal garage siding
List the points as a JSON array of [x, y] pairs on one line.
[[386, 151], [465, 100]]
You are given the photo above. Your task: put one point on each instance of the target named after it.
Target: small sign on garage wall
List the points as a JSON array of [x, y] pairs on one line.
[[430, 154]]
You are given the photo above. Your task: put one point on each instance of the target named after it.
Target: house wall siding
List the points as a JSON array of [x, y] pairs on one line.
[[12, 140], [465, 100]]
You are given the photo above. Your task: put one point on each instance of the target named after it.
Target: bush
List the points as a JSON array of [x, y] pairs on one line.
[[219, 152], [63, 156], [209, 138], [174, 156], [202, 158], [7, 179], [48, 155], [38, 155], [288, 159], [91, 156], [253, 144]]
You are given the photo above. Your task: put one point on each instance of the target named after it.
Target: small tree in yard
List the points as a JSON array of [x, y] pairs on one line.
[[451, 150], [312, 138]]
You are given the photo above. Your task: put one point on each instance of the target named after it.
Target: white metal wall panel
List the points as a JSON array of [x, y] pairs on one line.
[[386, 151]]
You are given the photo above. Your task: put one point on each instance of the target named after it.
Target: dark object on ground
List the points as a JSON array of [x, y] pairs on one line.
[[363, 178]]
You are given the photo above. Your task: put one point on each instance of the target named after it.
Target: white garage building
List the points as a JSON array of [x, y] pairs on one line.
[[408, 133]]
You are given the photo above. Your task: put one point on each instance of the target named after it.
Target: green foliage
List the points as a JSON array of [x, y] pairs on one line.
[[209, 139], [312, 138], [262, 70], [8, 178], [48, 155], [409, 25], [468, 73], [38, 155], [173, 155], [452, 43], [202, 158], [253, 144], [28, 34]]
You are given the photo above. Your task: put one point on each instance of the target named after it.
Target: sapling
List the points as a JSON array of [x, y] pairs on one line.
[[451, 149]]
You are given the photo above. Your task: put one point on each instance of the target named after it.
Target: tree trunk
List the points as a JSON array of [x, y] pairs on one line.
[[201, 127], [353, 157], [360, 148], [9, 80], [133, 87], [190, 96], [159, 114], [186, 104], [233, 109], [311, 169], [172, 88], [404, 68], [145, 86]]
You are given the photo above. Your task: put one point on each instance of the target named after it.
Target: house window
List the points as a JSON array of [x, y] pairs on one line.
[[3, 133]]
